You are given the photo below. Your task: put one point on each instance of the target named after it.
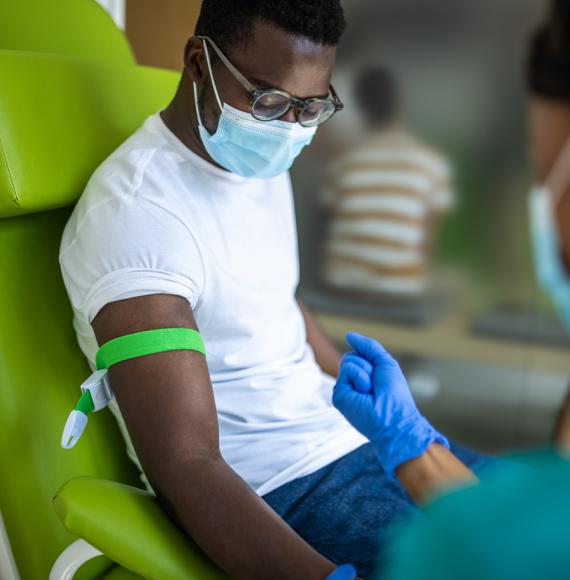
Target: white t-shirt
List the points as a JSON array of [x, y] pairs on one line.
[[157, 219]]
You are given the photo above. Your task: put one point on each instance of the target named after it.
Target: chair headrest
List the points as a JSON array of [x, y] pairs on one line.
[[61, 117], [80, 28]]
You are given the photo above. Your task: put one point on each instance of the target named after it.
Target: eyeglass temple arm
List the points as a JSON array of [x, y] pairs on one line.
[[243, 80], [338, 102], [228, 64]]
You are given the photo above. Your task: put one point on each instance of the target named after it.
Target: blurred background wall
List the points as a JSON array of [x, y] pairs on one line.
[[158, 30], [460, 65]]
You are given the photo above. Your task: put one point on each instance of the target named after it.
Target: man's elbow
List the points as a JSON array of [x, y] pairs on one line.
[[179, 477]]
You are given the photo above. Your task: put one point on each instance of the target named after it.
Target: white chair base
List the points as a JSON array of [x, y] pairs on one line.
[[71, 559]]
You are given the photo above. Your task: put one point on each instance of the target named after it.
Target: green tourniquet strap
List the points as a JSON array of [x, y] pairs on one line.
[[147, 342], [85, 403]]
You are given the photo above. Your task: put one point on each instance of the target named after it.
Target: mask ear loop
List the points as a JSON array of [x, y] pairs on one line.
[[205, 44]]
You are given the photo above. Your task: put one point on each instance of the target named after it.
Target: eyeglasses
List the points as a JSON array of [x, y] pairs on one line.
[[270, 104]]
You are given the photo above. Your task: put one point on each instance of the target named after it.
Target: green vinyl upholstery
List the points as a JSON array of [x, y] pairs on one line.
[[67, 100], [60, 118], [120, 573], [76, 28], [141, 539], [40, 370]]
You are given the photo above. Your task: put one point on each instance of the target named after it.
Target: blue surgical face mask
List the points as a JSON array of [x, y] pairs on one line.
[[547, 248], [249, 147]]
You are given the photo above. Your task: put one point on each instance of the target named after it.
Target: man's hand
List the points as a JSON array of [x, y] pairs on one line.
[[167, 402]]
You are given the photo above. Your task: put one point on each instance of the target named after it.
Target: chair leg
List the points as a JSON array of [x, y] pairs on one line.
[[71, 559]]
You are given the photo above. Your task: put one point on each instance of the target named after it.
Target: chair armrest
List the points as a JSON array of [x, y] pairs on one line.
[[129, 526]]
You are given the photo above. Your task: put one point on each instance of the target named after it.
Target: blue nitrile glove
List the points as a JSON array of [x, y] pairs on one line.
[[373, 394], [344, 572]]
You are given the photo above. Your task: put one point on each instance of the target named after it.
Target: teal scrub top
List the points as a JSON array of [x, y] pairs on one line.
[[513, 525]]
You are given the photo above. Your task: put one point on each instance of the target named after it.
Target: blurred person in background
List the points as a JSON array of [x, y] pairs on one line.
[[383, 197], [549, 203]]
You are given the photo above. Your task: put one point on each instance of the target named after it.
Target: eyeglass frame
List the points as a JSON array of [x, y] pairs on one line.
[[255, 93]]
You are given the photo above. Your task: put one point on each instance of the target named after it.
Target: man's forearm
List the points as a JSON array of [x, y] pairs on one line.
[[437, 469], [236, 528], [327, 355]]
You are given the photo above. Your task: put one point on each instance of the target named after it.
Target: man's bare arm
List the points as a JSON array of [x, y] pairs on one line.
[[327, 355], [168, 405]]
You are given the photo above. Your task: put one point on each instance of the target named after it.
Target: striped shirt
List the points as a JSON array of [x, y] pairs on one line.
[[382, 196]]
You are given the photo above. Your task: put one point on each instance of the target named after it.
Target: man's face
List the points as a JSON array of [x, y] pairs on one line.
[[272, 58], [549, 132]]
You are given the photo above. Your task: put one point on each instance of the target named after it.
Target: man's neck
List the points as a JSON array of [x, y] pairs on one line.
[[181, 119]]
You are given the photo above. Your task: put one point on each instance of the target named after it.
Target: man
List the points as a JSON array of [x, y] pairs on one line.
[[190, 224], [383, 196]]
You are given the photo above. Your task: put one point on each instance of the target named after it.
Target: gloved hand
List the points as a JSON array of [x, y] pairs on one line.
[[373, 394], [344, 572]]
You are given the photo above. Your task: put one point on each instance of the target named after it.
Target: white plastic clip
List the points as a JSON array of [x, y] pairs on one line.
[[100, 388], [73, 429], [101, 395]]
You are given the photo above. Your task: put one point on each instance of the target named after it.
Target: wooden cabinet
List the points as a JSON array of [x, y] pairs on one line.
[[158, 30]]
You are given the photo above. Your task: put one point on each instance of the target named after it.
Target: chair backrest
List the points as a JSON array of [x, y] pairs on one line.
[[59, 118], [78, 28]]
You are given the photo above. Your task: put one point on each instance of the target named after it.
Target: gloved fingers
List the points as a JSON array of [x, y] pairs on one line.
[[348, 399], [344, 572], [357, 360], [353, 375], [370, 349], [363, 382]]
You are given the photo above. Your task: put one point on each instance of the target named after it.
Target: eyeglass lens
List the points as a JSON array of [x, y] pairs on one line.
[[272, 105]]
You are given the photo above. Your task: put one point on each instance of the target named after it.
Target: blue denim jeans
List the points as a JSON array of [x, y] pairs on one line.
[[349, 509]]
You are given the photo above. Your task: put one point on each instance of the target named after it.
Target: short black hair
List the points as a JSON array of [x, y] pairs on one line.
[[376, 94], [230, 22], [548, 71]]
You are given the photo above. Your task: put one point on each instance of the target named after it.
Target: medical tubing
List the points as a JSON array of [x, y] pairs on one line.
[[148, 342]]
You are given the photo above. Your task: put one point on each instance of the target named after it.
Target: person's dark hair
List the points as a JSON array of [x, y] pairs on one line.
[[376, 94], [230, 22], [549, 63]]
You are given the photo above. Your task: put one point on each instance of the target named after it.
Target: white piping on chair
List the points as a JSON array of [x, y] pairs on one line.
[[71, 559], [8, 569]]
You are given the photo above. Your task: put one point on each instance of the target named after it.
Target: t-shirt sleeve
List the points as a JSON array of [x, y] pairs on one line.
[[128, 247]]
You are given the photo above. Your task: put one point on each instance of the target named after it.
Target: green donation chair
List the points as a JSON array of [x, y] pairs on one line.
[[70, 93]]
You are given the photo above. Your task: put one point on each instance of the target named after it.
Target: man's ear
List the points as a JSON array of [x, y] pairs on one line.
[[194, 60]]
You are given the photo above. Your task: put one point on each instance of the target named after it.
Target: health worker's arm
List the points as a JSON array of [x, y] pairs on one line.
[[168, 405], [327, 355], [373, 394], [433, 472]]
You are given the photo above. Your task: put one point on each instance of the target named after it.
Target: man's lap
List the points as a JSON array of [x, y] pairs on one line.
[[348, 509]]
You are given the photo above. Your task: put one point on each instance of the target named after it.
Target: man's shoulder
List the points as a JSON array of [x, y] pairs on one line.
[[428, 153], [143, 166], [143, 153]]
